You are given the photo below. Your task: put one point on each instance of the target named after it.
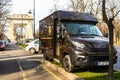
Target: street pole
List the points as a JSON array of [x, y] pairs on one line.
[[22, 29], [34, 18]]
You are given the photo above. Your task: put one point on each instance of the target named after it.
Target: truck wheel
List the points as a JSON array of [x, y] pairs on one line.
[[40, 52], [45, 56], [32, 51], [67, 64]]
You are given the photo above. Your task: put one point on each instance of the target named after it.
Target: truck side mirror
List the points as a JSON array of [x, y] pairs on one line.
[[65, 33]]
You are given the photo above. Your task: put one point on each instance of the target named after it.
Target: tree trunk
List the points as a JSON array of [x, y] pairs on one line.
[[111, 28]]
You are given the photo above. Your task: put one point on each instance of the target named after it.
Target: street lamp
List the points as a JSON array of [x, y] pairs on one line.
[[34, 16], [30, 12]]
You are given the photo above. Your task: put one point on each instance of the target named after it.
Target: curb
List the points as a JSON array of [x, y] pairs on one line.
[[70, 76]]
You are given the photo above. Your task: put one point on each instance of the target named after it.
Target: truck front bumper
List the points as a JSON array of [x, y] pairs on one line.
[[92, 60]]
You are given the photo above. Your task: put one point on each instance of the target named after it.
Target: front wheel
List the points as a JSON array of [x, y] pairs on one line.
[[67, 63], [40, 52], [45, 55], [32, 51]]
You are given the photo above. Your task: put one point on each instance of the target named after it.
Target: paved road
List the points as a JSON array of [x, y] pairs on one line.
[[16, 64]]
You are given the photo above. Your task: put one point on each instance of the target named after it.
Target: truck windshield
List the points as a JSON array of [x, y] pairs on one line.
[[82, 29]]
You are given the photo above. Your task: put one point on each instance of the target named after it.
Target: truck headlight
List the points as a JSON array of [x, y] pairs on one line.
[[78, 52], [78, 45]]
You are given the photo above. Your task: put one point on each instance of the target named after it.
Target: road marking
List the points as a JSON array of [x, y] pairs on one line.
[[52, 74], [23, 74]]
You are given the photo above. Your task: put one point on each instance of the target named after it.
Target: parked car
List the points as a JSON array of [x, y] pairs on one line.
[[33, 47], [2, 45], [28, 41], [9, 40]]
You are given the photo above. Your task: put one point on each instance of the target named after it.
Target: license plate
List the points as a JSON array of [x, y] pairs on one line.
[[103, 63]]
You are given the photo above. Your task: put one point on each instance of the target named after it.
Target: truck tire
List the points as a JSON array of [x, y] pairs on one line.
[[67, 63], [45, 56], [40, 52]]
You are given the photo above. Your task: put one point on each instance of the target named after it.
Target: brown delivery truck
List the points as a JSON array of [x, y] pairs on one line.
[[74, 40]]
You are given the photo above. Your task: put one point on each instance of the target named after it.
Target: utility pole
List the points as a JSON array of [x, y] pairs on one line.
[[33, 12], [21, 35], [34, 17]]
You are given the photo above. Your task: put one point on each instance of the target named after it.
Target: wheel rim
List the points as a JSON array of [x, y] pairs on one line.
[[66, 64], [32, 51]]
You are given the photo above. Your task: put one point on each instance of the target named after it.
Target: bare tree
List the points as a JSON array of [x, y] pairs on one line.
[[88, 6], [116, 30], [58, 6], [108, 19], [103, 27], [4, 10], [79, 5]]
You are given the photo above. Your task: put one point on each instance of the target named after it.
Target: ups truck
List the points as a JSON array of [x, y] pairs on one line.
[[74, 40]]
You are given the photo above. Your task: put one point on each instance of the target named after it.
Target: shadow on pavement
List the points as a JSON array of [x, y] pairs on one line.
[[13, 66], [29, 63], [12, 46], [8, 66]]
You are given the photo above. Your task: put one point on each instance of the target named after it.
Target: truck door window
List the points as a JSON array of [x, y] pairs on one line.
[[46, 30], [62, 30]]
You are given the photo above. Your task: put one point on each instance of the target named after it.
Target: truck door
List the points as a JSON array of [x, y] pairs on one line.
[[58, 42], [46, 37]]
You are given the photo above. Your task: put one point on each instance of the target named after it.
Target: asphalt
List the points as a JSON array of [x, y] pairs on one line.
[[72, 76], [69, 76]]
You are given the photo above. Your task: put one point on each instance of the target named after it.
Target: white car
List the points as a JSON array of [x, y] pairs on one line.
[[27, 42], [33, 47]]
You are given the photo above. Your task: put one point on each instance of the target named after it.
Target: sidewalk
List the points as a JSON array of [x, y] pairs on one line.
[[70, 76]]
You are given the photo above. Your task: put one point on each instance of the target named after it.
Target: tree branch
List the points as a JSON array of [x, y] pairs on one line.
[[104, 12], [116, 14]]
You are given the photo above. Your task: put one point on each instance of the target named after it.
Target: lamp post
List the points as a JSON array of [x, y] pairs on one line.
[[30, 12], [34, 17], [21, 35]]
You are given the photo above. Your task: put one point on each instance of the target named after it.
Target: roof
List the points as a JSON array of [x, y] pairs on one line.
[[66, 15], [71, 15]]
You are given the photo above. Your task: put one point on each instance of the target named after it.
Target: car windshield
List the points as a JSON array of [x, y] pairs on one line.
[[82, 29], [29, 40], [37, 42]]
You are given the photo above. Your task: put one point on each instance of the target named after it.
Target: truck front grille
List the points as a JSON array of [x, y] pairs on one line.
[[100, 50], [99, 58]]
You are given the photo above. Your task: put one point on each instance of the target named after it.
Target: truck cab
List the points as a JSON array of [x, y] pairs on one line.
[[74, 40]]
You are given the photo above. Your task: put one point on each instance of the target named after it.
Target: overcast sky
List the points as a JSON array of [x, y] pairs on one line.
[[42, 7], [23, 6]]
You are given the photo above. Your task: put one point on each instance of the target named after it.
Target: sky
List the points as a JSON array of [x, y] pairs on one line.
[[42, 8]]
